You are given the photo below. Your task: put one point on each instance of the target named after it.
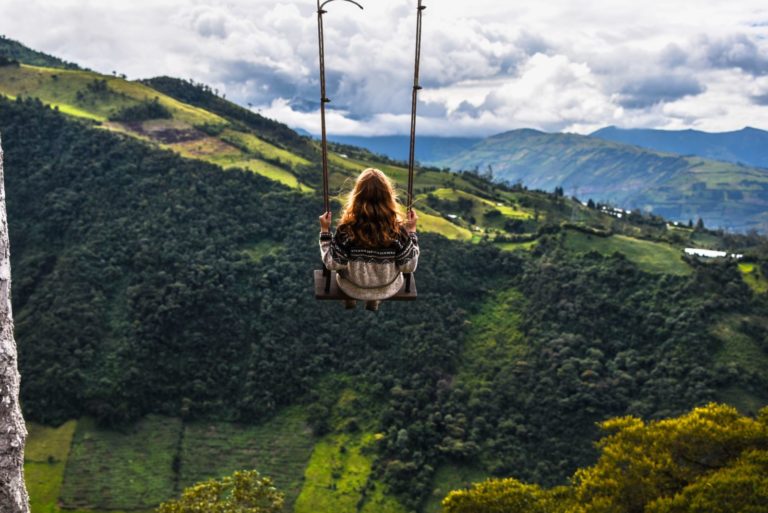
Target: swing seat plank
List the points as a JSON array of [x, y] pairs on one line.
[[334, 292]]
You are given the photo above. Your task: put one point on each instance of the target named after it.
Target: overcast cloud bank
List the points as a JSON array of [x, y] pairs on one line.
[[488, 66]]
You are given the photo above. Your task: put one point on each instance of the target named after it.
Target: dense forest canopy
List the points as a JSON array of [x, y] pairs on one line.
[[149, 283]]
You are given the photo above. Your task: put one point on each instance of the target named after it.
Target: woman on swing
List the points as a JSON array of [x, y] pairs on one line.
[[373, 245]]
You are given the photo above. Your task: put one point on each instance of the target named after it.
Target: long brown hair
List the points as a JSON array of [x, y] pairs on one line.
[[371, 216]]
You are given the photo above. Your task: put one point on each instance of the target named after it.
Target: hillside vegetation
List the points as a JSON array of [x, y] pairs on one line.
[[154, 289], [676, 187], [711, 459], [746, 146]]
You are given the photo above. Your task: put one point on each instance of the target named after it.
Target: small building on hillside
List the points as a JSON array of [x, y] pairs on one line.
[[711, 253]]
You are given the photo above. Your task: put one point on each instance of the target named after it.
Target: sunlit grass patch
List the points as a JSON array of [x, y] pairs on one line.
[[435, 224], [45, 458], [495, 341], [654, 257], [753, 277], [337, 478], [69, 90], [517, 246], [263, 148]]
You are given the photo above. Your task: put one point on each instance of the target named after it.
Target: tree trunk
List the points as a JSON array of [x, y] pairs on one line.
[[13, 432]]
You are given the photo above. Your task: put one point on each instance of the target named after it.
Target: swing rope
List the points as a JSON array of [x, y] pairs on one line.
[[324, 100], [414, 102]]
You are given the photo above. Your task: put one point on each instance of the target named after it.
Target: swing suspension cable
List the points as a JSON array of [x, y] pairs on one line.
[[324, 98], [414, 102]]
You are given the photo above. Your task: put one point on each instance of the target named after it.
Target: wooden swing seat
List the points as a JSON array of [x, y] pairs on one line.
[[326, 287]]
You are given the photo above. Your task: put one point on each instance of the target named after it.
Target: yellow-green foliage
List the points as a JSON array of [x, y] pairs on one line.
[[45, 457], [435, 224], [711, 460], [501, 496], [753, 277], [338, 478], [58, 87], [242, 492], [654, 257]]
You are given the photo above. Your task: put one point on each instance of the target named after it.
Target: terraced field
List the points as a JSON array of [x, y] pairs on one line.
[[110, 470], [279, 448]]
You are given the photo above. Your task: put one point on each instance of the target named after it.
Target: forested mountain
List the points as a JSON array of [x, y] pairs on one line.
[[429, 149], [748, 146], [163, 304], [676, 187]]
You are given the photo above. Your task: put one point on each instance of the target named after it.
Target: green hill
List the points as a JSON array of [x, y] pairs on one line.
[[13, 50], [680, 188], [162, 299]]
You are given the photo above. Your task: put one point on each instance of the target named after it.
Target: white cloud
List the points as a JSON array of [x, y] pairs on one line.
[[487, 66]]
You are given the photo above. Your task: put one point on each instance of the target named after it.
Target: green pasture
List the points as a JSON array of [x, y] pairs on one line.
[[436, 224], [451, 477], [338, 478], [262, 148], [121, 470], [516, 246], [495, 340], [45, 458], [59, 87], [279, 448], [653, 257]]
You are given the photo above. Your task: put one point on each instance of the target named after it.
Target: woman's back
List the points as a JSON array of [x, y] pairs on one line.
[[372, 246]]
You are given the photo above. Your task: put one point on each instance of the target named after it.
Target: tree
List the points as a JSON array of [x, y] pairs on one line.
[[711, 460], [242, 492], [13, 493]]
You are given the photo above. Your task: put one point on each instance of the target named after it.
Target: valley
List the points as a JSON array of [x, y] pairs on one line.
[[167, 332]]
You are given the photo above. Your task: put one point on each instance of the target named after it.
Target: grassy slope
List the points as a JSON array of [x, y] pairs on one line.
[[279, 448], [45, 457], [673, 186], [494, 343], [338, 478], [649, 256], [121, 470]]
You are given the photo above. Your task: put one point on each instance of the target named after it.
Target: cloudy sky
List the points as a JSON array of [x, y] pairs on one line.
[[488, 65]]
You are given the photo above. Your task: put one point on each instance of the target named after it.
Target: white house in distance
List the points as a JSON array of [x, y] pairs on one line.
[[710, 253]]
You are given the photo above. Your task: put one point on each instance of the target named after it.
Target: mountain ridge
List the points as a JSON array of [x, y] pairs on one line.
[[672, 185], [747, 146]]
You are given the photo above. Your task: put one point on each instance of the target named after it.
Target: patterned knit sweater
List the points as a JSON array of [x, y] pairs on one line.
[[365, 273]]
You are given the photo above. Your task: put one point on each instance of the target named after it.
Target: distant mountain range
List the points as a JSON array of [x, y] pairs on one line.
[[678, 187], [429, 149], [746, 146], [682, 175]]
